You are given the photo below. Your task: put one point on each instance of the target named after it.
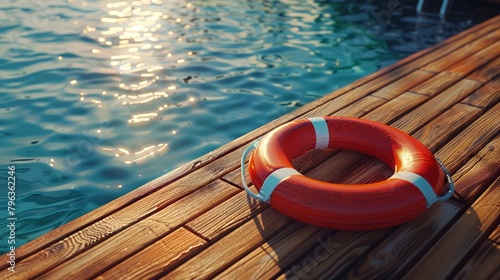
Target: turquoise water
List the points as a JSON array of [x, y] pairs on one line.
[[99, 97]]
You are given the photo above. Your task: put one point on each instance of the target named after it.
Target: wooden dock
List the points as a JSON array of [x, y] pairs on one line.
[[197, 222]]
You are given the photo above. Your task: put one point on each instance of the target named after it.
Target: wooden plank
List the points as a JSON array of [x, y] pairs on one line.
[[309, 160], [234, 178], [340, 102], [484, 264], [436, 84], [120, 245], [403, 84], [476, 61], [444, 80], [436, 106], [488, 72], [477, 173], [281, 251], [486, 96], [334, 254], [231, 247], [464, 52], [360, 107], [346, 101], [478, 221], [399, 251], [470, 140], [159, 258], [396, 107], [442, 128], [227, 216]]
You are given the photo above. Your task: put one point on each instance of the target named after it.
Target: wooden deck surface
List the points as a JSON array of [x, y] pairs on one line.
[[197, 222]]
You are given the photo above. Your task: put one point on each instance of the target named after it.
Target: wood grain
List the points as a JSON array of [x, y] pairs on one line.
[[281, 251], [97, 259], [476, 223], [415, 119], [481, 65], [334, 254], [360, 107], [484, 264], [396, 107], [473, 177], [227, 216], [231, 247], [403, 247], [436, 84], [158, 258], [459, 150], [487, 72], [234, 177], [476, 62], [457, 57], [486, 96], [445, 126], [402, 85]]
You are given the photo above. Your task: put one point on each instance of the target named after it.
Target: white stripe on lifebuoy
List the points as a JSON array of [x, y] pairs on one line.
[[322, 133], [274, 179], [419, 182]]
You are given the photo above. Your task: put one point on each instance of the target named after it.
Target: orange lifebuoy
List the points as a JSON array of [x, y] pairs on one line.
[[417, 181]]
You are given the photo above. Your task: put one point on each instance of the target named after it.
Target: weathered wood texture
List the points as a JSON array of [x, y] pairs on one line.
[[197, 222], [463, 236], [484, 263]]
